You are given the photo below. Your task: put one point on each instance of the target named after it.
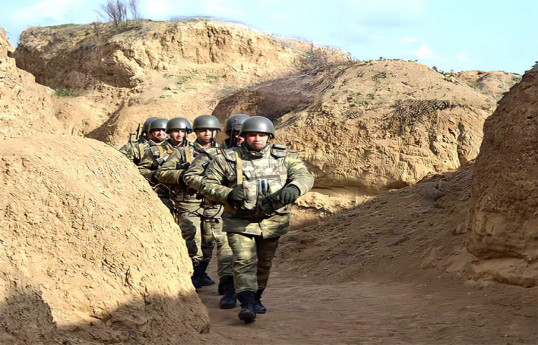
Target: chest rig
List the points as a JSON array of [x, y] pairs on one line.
[[261, 177], [160, 153]]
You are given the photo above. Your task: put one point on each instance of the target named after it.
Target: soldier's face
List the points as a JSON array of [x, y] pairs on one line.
[[177, 135], [157, 135], [256, 141], [204, 135]]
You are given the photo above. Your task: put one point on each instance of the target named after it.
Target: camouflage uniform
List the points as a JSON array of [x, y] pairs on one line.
[[154, 156], [211, 220], [134, 151], [186, 201], [255, 226]]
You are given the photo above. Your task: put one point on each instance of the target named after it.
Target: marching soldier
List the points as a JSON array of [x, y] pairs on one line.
[[257, 182], [188, 202], [211, 220]]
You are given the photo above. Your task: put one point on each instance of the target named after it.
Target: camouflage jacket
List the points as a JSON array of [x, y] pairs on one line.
[[154, 156], [261, 174], [134, 151], [172, 171]]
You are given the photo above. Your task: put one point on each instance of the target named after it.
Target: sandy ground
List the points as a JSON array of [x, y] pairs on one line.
[[426, 309]]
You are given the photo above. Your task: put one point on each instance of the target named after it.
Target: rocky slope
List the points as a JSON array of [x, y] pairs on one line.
[[25, 107], [365, 127], [89, 253], [503, 219]]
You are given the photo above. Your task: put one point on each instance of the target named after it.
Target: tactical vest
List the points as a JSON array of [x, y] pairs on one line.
[[260, 178], [160, 154]]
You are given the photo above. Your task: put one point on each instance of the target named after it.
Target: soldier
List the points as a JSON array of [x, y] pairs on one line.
[[257, 183], [178, 128], [156, 153], [211, 220], [232, 129], [134, 151], [188, 202]]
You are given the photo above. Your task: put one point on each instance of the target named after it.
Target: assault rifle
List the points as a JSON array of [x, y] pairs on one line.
[[137, 134]]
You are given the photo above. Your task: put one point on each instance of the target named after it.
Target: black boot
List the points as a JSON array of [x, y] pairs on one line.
[[206, 281], [259, 308], [228, 301], [247, 299], [197, 274]]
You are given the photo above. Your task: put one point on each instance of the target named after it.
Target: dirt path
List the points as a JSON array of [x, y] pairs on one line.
[[376, 310]]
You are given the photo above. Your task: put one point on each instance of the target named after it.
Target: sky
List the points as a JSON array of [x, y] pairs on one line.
[[458, 35]]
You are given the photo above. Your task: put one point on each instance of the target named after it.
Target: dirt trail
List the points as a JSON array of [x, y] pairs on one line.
[[430, 309]]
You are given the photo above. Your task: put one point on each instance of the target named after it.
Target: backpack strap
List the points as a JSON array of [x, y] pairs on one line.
[[188, 154], [238, 168]]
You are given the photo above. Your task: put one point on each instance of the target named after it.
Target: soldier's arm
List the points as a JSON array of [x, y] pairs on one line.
[[147, 166], [128, 151], [171, 171], [298, 174], [213, 183], [194, 174]]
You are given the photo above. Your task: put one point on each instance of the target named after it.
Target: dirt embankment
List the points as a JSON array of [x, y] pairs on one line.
[[89, 254], [503, 219], [366, 127], [25, 107], [110, 79]]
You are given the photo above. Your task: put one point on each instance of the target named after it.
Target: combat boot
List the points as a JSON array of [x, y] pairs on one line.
[[206, 281], [196, 274], [228, 301], [259, 308], [247, 299]]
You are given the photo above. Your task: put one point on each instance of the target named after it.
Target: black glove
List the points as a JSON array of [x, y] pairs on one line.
[[289, 194], [236, 196]]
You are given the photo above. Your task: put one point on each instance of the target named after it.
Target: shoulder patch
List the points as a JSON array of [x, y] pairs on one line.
[[279, 150]]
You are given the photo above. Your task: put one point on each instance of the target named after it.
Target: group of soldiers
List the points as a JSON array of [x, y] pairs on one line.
[[237, 194]]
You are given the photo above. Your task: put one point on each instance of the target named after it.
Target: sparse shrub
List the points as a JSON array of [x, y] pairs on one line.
[[116, 10], [63, 93]]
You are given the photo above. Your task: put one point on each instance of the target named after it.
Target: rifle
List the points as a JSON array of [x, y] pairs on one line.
[[212, 140], [233, 139], [137, 132]]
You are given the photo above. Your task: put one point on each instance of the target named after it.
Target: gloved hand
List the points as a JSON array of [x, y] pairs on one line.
[[289, 194], [236, 196]]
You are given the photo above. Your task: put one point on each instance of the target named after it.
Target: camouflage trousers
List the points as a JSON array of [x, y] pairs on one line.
[[213, 225], [253, 258], [198, 239]]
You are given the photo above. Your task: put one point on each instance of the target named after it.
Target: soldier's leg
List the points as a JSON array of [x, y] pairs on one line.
[[189, 220], [245, 268], [266, 249], [224, 266], [245, 261], [208, 240]]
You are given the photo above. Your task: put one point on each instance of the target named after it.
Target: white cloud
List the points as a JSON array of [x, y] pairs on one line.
[[409, 39], [53, 10], [461, 56], [424, 52]]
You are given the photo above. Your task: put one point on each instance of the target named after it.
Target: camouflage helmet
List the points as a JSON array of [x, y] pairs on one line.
[[206, 122], [157, 123], [234, 122], [258, 124], [145, 126], [178, 123]]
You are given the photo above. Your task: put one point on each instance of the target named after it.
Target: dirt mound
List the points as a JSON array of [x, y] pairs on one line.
[[503, 219], [492, 84], [395, 233], [89, 253], [25, 105], [366, 127], [113, 78]]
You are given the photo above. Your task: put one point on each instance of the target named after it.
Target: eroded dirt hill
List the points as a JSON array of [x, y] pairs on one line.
[[504, 214], [365, 127], [25, 107], [88, 253], [113, 78]]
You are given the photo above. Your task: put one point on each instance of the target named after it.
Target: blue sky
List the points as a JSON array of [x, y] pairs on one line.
[[488, 35]]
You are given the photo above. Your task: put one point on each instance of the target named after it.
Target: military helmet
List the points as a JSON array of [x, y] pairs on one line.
[[145, 126], [206, 122], [258, 124], [178, 123], [234, 123], [157, 123]]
